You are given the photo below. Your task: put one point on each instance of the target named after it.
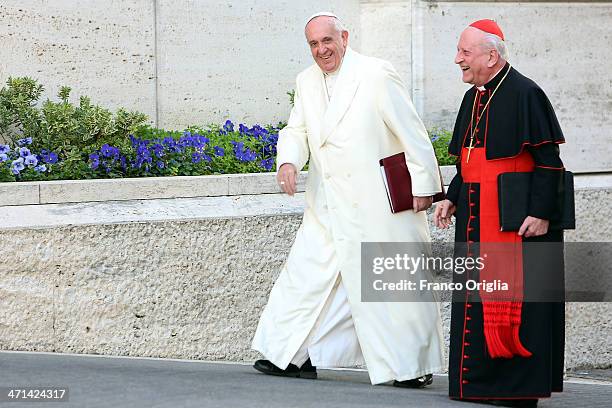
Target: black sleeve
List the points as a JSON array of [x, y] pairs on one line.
[[547, 181], [455, 186]]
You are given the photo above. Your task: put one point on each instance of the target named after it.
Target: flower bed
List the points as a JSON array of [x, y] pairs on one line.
[[62, 141]]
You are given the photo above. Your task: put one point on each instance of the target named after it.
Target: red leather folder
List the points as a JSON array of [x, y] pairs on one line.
[[399, 184]]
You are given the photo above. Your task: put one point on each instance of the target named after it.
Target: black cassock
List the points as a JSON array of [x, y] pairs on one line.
[[519, 119]]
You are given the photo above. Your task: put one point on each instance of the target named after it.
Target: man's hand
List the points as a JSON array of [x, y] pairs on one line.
[[533, 227], [421, 203], [287, 178], [442, 215]]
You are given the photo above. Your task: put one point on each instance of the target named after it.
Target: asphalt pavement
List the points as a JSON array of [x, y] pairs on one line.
[[100, 381]]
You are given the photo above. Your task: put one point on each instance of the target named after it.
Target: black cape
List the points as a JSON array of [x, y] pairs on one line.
[[524, 117]]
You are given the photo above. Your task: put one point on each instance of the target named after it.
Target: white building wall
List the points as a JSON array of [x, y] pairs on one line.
[[190, 62]]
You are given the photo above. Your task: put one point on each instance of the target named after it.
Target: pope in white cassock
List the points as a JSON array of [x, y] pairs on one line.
[[349, 111]]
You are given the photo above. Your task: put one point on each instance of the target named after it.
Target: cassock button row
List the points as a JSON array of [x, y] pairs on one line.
[[466, 369], [469, 305], [466, 344], [466, 356], [467, 331], [468, 318], [465, 382]]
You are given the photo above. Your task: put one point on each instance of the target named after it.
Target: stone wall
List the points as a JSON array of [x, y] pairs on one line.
[[188, 277]]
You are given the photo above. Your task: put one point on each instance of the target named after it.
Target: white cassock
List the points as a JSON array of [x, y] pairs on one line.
[[315, 308]]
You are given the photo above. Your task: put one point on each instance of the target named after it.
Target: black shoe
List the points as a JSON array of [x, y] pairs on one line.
[[415, 382], [520, 403], [306, 371]]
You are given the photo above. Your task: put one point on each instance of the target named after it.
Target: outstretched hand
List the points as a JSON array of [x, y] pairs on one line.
[[442, 215]]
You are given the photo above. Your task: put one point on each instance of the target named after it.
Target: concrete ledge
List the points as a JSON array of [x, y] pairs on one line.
[[143, 188], [150, 188], [260, 183], [19, 193]]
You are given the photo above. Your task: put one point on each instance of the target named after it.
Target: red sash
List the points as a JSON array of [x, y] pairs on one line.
[[502, 252]]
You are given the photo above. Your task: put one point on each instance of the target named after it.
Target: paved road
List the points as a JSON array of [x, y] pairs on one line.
[[133, 382]]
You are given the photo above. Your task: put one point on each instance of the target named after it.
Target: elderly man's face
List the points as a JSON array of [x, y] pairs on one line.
[[473, 59], [327, 44]]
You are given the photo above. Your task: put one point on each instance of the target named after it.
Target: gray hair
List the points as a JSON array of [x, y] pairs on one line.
[[493, 42]]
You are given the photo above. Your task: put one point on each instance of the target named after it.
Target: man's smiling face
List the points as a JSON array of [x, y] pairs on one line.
[[327, 43], [472, 57]]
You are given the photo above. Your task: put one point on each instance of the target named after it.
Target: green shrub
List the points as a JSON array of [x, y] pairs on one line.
[[60, 126]]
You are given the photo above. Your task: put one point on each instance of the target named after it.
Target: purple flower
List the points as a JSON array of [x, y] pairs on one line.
[[219, 151], [4, 149], [49, 157], [244, 129], [267, 164], [109, 151], [171, 145], [3, 157], [158, 150], [160, 165], [31, 160], [17, 166], [259, 132], [41, 168], [25, 141], [94, 160], [243, 154], [196, 158], [24, 152], [228, 126], [135, 141]]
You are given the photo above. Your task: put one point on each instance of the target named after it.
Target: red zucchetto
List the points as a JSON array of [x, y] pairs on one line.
[[488, 26]]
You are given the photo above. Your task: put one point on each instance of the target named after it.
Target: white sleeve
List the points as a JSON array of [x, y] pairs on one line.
[[292, 144], [401, 118]]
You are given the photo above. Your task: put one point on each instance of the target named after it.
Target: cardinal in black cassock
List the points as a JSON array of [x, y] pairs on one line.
[[505, 352]]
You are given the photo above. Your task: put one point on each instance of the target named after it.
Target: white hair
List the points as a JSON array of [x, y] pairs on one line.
[[493, 42]]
